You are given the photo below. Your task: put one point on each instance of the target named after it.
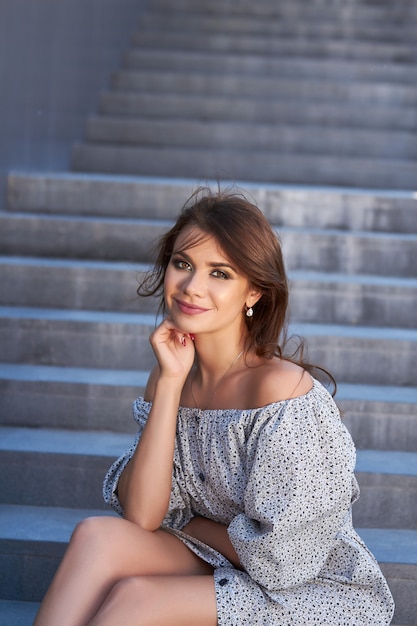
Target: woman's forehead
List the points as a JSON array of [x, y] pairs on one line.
[[192, 236]]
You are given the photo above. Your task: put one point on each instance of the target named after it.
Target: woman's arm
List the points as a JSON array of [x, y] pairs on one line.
[[214, 535], [144, 487]]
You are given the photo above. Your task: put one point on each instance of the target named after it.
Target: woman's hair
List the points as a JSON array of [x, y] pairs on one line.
[[248, 241]]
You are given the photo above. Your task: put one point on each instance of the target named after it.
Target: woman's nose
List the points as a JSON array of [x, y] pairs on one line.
[[193, 284]]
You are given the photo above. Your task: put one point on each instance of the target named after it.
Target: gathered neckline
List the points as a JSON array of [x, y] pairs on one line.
[[316, 383]]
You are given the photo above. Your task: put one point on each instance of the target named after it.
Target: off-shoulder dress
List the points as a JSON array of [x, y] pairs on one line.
[[281, 477]]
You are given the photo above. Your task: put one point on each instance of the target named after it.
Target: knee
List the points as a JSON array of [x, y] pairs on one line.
[[143, 590], [91, 533]]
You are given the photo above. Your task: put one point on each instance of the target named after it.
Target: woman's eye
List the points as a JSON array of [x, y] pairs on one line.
[[181, 264], [220, 274]]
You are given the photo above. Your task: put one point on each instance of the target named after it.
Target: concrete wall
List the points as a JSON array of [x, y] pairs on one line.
[[55, 57]]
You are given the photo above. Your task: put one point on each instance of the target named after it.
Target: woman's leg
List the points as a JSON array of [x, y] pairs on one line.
[[102, 552], [160, 601]]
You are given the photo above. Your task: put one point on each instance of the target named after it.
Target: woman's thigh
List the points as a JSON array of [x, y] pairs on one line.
[[128, 550], [160, 601]]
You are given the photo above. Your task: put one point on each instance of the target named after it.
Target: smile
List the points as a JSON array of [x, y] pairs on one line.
[[189, 309]]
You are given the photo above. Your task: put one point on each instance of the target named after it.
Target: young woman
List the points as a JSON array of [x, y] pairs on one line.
[[236, 494]]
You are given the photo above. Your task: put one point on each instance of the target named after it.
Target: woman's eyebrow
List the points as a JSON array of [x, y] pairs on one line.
[[220, 264], [211, 264]]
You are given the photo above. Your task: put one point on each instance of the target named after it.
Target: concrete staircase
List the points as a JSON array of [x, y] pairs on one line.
[[74, 351], [321, 92]]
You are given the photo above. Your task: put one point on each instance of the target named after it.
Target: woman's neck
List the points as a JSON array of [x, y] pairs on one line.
[[214, 358]]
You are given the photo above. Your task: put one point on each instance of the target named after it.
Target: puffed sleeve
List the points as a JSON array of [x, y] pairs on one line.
[[179, 510], [300, 464]]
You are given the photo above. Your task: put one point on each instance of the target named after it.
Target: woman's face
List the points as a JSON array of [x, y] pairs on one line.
[[203, 291]]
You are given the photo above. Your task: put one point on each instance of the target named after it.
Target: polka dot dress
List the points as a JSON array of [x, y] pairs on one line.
[[281, 478]]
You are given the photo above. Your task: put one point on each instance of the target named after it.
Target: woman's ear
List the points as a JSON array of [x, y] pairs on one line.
[[253, 297]]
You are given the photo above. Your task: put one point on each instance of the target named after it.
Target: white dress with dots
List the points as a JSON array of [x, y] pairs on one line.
[[281, 478]]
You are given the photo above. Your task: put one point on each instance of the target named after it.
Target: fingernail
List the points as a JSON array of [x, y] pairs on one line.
[[183, 342], [192, 337]]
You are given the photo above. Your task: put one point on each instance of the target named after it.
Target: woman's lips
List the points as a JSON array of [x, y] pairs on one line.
[[189, 309]]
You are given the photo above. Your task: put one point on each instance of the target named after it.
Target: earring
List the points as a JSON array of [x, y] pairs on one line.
[[249, 312]]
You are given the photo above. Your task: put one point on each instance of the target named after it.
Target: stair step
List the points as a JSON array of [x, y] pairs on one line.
[[32, 543], [362, 354], [237, 109], [86, 398], [352, 31], [381, 143], [158, 198], [14, 613], [57, 467], [391, 545], [378, 417], [319, 90], [287, 10], [388, 483], [389, 254], [72, 283], [268, 65], [352, 299], [94, 285], [161, 38], [42, 532], [82, 237], [102, 195], [382, 417], [69, 397], [202, 86], [66, 468], [401, 578], [235, 165], [76, 338]]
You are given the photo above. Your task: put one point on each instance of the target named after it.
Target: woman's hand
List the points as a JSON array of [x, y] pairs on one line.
[[173, 349]]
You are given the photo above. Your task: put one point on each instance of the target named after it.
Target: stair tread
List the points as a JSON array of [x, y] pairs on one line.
[[159, 37], [104, 219], [387, 462], [117, 266], [218, 63], [41, 523], [329, 168], [76, 315], [190, 182], [391, 545], [118, 123], [230, 107], [138, 378], [15, 613], [57, 441], [83, 375], [313, 330], [194, 151], [274, 81], [286, 10], [120, 195], [380, 393], [161, 223], [32, 523], [293, 274]]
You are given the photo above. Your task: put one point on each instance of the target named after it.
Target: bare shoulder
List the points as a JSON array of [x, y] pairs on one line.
[[150, 385], [277, 379]]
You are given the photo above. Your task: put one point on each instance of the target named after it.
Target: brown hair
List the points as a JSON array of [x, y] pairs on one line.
[[249, 242]]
